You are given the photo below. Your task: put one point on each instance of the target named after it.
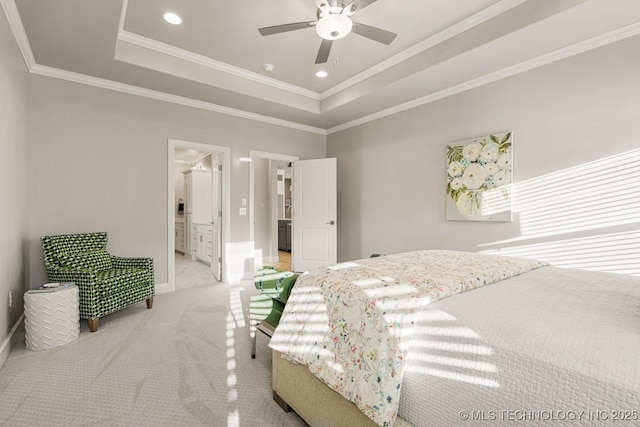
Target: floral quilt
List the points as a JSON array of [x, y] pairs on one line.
[[351, 323]]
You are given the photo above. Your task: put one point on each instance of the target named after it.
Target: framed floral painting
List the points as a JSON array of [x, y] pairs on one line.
[[479, 178]]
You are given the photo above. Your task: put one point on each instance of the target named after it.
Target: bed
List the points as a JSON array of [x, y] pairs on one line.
[[435, 338]]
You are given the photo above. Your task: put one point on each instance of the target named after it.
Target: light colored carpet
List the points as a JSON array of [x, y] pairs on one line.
[[186, 362]]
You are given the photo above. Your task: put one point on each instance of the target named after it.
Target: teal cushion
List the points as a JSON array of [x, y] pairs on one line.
[[94, 260]]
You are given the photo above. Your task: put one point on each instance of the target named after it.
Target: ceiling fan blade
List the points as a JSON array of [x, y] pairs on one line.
[[351, 7], [276, 29], [364, 3], [324, 5], [324, 51], [374, 33]]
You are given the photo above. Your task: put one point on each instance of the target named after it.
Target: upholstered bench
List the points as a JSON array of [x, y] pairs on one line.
[[266, 308]]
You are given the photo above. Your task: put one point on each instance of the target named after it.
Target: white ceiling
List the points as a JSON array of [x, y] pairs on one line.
[[214, 59]]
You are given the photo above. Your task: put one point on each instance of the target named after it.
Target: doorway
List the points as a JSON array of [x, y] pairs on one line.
[[197, 246], [270, 209]]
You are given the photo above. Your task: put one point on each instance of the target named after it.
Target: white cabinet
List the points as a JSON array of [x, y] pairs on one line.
[[198, 203], [179, 237], [202, 242], [198, 195]]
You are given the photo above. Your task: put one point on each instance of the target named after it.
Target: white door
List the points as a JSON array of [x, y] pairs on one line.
[[315, 233], [216, 256]]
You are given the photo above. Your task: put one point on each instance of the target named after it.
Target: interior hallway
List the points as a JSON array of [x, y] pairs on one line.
[[284, 262], [191, 273]]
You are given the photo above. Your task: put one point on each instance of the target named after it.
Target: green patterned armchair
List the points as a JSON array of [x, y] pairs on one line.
[[107, 283]]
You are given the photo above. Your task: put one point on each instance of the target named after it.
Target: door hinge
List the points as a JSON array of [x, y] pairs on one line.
[[219, 259], [220, 168], [219, 213]]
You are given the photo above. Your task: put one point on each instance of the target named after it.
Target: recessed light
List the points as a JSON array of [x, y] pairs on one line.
[[321, 74], [172, 18], [268, 67]]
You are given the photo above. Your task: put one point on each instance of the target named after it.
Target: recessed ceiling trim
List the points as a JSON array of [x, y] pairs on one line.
[[44, 70], [557, 55], [450, 32], [160, 61], [19, 33], [185, 55]]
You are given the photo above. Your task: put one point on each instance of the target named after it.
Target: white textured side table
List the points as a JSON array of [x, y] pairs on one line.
[[51, 319]]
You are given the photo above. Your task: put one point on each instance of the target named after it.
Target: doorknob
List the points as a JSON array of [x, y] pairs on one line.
[[331, 223]]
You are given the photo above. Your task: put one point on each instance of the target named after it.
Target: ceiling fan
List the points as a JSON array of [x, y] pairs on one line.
[[334, 22]]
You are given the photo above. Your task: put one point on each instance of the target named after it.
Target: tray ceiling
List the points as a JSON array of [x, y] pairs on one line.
[[214, 59]]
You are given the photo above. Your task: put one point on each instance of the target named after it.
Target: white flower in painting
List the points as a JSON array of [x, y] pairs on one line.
[[489, 152], [501, 178], [471, 151], [456, 184], [504, 162], [474, 176], [491, 168], [455, 169]]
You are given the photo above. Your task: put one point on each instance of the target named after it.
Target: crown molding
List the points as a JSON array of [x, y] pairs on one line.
[[44, 70], [554, 56], [474, 20], [20, 35], [213, 64], [448, 33], [15, 23], [17, 28]]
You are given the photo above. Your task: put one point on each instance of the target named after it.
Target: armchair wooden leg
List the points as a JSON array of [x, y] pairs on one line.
[[252, 333], [93, 323], [149, 302]]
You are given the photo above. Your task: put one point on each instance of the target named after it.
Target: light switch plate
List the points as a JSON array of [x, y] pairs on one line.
[[243, 211]]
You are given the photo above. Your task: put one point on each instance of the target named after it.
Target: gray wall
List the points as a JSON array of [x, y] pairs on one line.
[[13, 187], [98, 162], [392, 171]]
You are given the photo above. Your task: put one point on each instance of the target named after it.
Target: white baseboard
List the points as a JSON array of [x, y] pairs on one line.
[[8, 342], [163, 288]]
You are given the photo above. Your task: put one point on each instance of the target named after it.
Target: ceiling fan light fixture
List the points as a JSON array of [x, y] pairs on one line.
[[334, 26]]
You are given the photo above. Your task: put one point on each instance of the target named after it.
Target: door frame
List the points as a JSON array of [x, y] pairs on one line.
[[253, 154], [225, 229]]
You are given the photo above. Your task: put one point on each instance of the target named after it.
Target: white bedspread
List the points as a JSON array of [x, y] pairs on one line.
[[552, 347], [352, 324]]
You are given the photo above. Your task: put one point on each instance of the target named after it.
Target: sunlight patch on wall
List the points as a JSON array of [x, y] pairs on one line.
[[592, 196], [615, 252]]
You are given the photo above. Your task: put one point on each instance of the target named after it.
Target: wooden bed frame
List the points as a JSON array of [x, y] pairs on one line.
[[294, 387]]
